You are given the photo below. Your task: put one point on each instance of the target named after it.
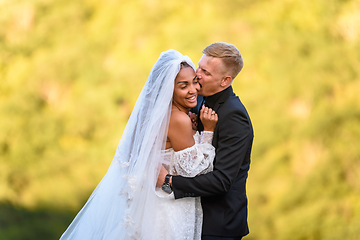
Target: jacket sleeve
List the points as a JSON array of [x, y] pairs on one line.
[[234, 140]]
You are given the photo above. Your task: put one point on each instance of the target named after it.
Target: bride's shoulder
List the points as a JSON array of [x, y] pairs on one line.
[[180, 120], [180, 131]]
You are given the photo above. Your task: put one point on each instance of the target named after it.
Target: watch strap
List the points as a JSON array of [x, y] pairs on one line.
[[166, 187]]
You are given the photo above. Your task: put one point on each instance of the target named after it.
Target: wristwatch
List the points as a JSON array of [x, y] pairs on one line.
[[166, 185]]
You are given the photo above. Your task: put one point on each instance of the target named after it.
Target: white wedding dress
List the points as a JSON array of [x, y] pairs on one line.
[[126, 204], [182, 218]]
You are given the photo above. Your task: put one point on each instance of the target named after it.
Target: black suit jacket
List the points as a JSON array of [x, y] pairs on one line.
[[223, 191]]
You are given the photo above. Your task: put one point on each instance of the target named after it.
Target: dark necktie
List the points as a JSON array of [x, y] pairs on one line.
[[200, 125]]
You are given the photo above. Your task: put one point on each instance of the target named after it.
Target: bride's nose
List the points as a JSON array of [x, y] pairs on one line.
[[194, 88]]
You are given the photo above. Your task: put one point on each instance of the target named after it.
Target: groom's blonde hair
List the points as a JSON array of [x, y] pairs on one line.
[[229, 54]]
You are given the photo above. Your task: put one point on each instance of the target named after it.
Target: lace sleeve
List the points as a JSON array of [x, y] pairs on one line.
[[195, 160], [206, 137]]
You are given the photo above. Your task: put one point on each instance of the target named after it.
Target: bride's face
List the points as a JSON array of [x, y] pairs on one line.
[[185, 88]]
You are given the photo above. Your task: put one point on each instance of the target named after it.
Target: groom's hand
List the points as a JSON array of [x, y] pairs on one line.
[[161, 178]]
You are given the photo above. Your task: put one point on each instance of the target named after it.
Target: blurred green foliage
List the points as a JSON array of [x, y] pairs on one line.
[[71, 71]]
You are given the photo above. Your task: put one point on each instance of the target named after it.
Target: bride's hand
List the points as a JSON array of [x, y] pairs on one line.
[[161, 178], [208, 118]]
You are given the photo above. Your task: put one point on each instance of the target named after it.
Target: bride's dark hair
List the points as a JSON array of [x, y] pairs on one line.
[[184, 64]]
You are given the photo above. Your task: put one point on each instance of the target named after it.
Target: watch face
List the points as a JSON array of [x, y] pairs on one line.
[[166, 188]]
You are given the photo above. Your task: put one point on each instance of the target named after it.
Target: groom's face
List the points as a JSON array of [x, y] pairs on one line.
[[210, 73]]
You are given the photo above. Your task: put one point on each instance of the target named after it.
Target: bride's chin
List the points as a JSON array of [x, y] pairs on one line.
[[193, 105]]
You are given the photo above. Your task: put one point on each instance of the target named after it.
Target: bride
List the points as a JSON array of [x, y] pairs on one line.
[[126, 204]]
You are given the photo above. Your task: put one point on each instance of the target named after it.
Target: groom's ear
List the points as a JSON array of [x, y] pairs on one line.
[[226, 81]]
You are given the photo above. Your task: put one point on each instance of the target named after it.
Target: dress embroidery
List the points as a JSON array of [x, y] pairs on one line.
[[183, 217]]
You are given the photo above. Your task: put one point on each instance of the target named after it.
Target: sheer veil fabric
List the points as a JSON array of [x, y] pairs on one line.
[[124, 204]]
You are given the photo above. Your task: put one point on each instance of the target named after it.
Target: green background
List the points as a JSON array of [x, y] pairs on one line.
[[71, 71]]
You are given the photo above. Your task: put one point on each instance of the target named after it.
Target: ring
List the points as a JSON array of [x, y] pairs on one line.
[[213, 113], [206, 112]]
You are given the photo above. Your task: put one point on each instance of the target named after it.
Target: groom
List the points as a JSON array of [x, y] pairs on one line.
[[222, 191]]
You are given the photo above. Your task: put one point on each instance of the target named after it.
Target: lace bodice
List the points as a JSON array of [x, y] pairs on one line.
[[183, 217], [194, 160]]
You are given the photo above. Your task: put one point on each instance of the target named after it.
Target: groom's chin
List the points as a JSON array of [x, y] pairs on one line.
[[199, 93]]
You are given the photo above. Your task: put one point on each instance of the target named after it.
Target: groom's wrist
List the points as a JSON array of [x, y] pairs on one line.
[[166, 187]]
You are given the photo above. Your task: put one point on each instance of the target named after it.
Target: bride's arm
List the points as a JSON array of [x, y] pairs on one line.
[[194, 160], [197, 158]]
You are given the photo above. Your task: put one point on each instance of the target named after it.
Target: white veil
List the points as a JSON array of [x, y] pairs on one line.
[[124, 204]]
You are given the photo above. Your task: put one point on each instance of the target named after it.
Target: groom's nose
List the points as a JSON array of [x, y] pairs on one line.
[[198, 76], [197, 71]]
